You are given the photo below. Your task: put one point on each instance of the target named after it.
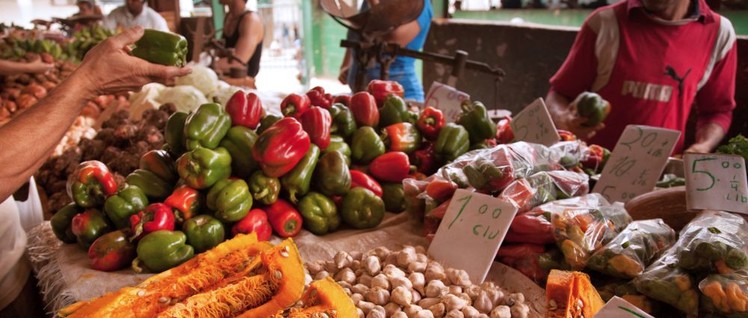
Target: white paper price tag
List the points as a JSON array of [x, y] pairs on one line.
[[617, 307], [447, 99], [534, 124], [471, 232], [636, 162], [716, 182]]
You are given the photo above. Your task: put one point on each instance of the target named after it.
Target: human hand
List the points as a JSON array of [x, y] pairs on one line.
[[39, 67], [698, 148], [343, 76], [571, 121], [109, 68]]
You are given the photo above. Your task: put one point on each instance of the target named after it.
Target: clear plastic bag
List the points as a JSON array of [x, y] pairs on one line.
[[714, 242], [725, 294], [632, 250], [543, 187], [666, 282]]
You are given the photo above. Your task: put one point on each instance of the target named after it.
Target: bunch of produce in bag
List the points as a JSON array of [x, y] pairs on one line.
[[714, 242], [627, 290], [725, 294], [632, 250], [666, 282], [543, 187]]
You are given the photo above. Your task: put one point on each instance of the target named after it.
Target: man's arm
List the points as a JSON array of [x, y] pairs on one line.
[[13, 68], [250, 34], [28, 139]]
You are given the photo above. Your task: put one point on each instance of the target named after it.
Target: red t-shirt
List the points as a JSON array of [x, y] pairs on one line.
[[651, 70]]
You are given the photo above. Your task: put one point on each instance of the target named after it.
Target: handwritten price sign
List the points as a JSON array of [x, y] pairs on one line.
[[447, 99], [617, 307], [636, 163], [716, 182], [534, 124], [471, 232]]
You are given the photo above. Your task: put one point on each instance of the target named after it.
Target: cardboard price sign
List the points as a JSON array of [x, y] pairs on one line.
[[471, 232], [534, 124], [636, 162], [716, 182], [617, 307], [447, 99]]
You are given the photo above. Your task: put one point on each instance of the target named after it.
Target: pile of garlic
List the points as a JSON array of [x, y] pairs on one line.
[[407, 283]]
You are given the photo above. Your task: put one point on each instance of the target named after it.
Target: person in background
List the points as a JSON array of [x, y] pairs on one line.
[[135, 13], [243, 32], [35, 67], [86, 8], [411, 35], [652, 60], [106, 69]]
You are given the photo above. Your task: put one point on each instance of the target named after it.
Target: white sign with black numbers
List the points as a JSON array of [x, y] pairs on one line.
[[617, 307], [716, 182], [534, 124], [447, 99]]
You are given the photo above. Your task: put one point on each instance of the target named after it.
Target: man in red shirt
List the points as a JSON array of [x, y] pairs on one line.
[[652, 60]]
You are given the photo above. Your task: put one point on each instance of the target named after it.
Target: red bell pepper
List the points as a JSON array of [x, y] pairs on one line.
[[279, 148], [504, 132], [361, 179], [284, 218], [425, 159], [245, 110], [185, 201], [403, 137], [155, 217], [390, 167], [430, 122], [342, 99], [441, 189], [566, 135], [596, 158], [111, 252], [256, 221], [91, 184], [317, 97], [294, 105], [530, 227], [364, 109], [317, 123], [381, 89]]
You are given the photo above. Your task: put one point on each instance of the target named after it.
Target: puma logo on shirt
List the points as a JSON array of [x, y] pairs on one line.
[[670, 71], [647, 91]]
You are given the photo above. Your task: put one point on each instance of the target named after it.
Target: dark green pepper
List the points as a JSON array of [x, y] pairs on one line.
[[264, 189], [154, 187], [297, 181], [162, 250], [125, 203], [319, 213], [163, 48], [161, 163], [393, 196], [202, 168], [475, 119], [393, 111], [61, 223], [362, 209], [366, 145], [239, 142], [266, 122], [593, 107], [453, 141], [332, 176], [230, 200], [338, 144], [174, 133], [206, 126], [204, 232], [343, 122]]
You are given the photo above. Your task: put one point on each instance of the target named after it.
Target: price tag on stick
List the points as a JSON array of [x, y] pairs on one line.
[[636, 162], [716, 182], [534, 124], [617, 307], [447, 99], [471, 232]]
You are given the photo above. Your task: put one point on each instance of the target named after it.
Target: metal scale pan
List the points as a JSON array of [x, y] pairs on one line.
[[378, 19]]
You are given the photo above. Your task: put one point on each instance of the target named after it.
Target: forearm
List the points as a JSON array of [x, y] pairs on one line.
[[708, 137], [12, 68], [558, 107]]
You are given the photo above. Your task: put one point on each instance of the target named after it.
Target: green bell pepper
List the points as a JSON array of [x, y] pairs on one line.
[[343, 122], [206, 126], [230, 200], [453, 141], [174, 133], [267, 121], [319, 213], [393, 196], [88, 226], [61, 223], [475, 119], [204, 232], [366, 145], [393, 111], [239, 142], [202, 168], [337, 143], [162, 250], [154, 187], [264, 189], [297, 181], [593, 107], [125, 203], [161, 163], [163, 48], [362, 209], [332, 176]]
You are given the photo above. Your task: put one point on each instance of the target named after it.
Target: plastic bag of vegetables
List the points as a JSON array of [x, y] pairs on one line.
[[714, 242], [545, 186], [666, 282], [725, 294], [629, 253]]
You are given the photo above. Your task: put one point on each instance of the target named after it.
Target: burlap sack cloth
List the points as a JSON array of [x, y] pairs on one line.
[[65, 277]]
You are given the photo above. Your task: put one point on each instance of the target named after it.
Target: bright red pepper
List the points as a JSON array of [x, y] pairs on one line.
[[279, 148], [256, 221], [294, 105], [425, 159], [504, 132], [186, 202], [364, 109], [441, 189], [361, 179], [342, 99], [155, 217], [530, 227], [91, 184], [596, 158], [318, 97], [566, 135], [401, 137], [430, 122], [245, 110], [317, 123], [381, 89], [390, 167], [284, 218]]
